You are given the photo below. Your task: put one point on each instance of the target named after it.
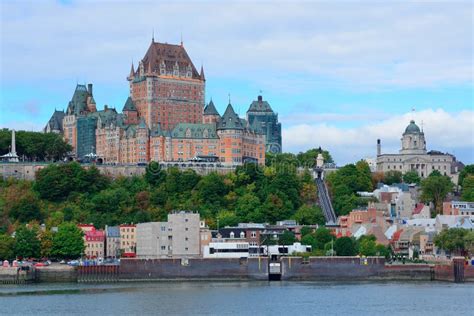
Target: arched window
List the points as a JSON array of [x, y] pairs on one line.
[[242, 235]]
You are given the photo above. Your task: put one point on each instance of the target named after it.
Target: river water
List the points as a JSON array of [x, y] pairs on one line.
[[234, 298]]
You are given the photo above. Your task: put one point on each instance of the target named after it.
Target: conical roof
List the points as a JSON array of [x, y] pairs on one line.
[[230, 119], [210, 109], [129, 105]]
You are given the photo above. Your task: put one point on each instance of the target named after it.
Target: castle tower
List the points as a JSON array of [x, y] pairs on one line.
[[262, 119], [210, 114], [230, 131], [167, 89]]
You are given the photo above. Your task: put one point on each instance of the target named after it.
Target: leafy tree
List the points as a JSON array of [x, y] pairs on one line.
[[287, 238], [435, 188], [453, 240], [367, 246], [227, 218], [35, 145], [305, 230], [7, 245], [308, 158], [154, 175], [310, 240], [27, 244], [383, 251], [322, 236], [46, 241], [57, 182], [467, 170], [468, 188], [392, 177], [377, 177], [309, 215], [67, 242], [21, 203], [411, 177], [345, 246], [345, 182]]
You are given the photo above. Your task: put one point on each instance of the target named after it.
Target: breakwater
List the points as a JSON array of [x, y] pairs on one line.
[[290, 269]]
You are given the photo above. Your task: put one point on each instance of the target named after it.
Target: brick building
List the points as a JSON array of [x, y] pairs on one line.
[[164, 118]]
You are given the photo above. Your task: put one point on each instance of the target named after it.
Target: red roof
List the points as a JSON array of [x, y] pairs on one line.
[[418, 208], [128, 225], [396, 235], [95, 235]]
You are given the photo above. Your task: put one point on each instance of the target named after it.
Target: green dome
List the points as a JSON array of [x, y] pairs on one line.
[[412, 128]]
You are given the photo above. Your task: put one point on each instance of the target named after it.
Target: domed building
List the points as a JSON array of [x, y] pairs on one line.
[[413, 156]]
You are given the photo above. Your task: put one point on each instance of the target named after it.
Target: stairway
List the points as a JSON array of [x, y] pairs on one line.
[[325, 202]]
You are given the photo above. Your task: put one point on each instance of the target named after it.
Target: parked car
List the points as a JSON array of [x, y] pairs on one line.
[[73, 263]]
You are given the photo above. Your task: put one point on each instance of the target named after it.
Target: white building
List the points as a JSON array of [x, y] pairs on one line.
[[413, 156], [238, 249], [178, 238]]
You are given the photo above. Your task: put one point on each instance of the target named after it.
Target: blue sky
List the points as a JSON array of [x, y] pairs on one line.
[[340, 74]]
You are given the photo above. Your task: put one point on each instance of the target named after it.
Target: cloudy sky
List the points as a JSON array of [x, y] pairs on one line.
[[339, 73]]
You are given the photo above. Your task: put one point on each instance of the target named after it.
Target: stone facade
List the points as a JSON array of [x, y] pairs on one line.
[[413, 156]]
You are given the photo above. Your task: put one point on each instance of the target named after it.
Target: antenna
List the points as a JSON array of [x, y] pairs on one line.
[[153, 35], [181, 38], [413, 113], [229, 98]]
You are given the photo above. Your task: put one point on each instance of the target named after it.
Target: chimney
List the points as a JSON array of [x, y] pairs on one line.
[[260, 98], [379, 148], [89, 88]]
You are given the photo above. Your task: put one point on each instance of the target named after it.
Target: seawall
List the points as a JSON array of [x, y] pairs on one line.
[[204, 269]]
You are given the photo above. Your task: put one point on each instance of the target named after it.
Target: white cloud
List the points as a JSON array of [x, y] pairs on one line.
[[444, 131], [369, 44]]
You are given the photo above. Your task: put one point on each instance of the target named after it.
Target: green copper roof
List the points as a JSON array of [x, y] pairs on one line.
[[129, 105], [142, 124], [210, 109], [78, 103], [260, 106], [230, 119], [412, 128], [190, 130]]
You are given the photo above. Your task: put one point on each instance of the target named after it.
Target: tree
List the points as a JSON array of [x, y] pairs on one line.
[[392, 177], [411, 177], [322, 236], [310, 215], [68, 242], [227, 218], [345, 246], [305, 230], [154, 175], [435, 188], [467, 170], [7, 245], [367, 246], [46, 241], [57, 182], [468, 189], [453, 240], [287, 238], [27, 244]]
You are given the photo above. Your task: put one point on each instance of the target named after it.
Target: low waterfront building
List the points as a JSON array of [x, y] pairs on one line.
[[179, 237], [112, 241], [231, 249], [95, 244], [128, 240]]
